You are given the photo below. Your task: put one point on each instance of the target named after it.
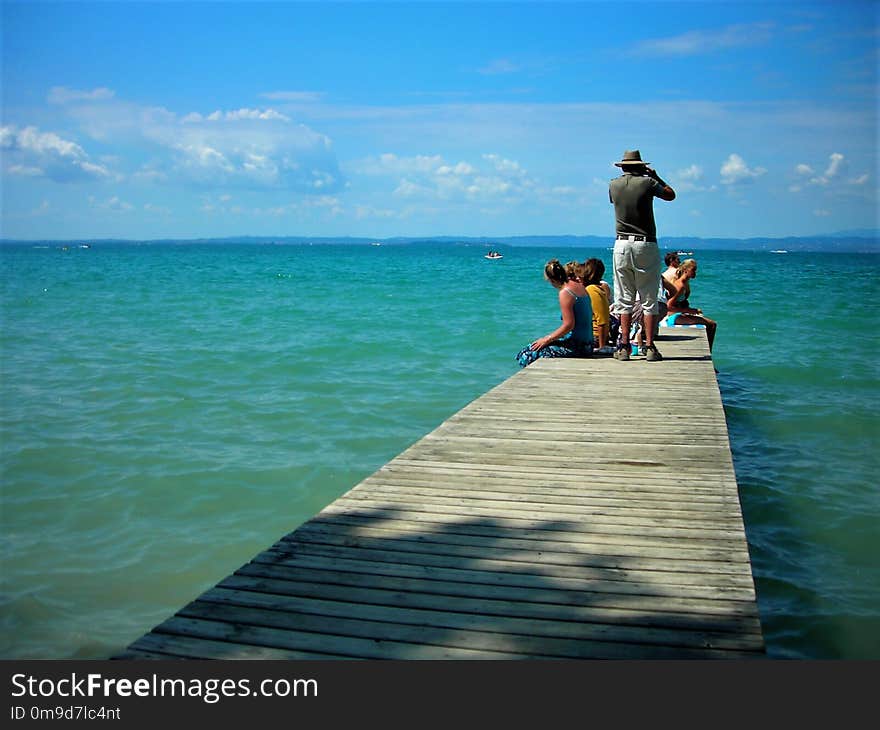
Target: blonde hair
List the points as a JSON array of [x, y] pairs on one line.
[[686, 265]]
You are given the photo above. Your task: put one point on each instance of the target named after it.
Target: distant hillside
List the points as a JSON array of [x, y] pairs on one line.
[[861, 241]]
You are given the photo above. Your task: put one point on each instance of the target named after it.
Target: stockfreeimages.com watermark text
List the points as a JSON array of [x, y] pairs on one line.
[[208, 690]]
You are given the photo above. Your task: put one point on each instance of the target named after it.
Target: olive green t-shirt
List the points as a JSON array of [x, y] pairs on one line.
[[633, 198]]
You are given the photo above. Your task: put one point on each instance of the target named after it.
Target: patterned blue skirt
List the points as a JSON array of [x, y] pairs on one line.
[[565, 347]]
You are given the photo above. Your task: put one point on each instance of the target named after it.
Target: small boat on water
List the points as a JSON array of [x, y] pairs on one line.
[[494, 255], [779, 250]]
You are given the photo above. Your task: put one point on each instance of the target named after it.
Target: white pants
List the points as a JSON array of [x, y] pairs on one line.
[[636, 269]]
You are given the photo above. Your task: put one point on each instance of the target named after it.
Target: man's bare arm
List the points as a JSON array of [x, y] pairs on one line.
[[667, 193]]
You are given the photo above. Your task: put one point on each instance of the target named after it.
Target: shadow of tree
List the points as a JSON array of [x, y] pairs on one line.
[[376, 583]]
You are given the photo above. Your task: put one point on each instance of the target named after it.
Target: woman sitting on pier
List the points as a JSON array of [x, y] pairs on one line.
[[574, 337], [680, 310]]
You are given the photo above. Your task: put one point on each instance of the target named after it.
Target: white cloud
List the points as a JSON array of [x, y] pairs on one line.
[[419, 176], [735, 171], [698, 42], [504, 166], [236, 115], [694, 173], [835, 165], [418, 165], [821, 213], [243, 148], [322, 180], [430, 177], [63, 95], [33, 153], [834, 171], [690, 180], [409, 189], [462, 168]]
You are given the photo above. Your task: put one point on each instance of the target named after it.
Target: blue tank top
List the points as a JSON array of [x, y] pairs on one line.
[[583, 318]]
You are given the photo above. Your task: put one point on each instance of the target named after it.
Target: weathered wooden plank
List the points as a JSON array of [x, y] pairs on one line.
[[410, 549], [644, 519], [599, 477], [546, 503], [509, 600], [318, 643], [610, 540], [443, 629], [487, 573], [734, 617], [601, 636], [160, 645], [691, 459], [524, 491], [655, 498], [410, 538], [489, 570], [549, 522]]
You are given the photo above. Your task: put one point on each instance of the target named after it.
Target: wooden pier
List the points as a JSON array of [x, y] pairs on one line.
[[580, 509]]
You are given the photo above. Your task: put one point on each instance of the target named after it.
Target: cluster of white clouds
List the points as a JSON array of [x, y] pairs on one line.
[[29, 152], [735, 171], [431, 177], [245, 148], [834, 173], [233, 116], [264, 149], [239, 148]]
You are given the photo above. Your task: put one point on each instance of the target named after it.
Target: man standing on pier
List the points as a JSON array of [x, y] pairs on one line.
[[636, 254]]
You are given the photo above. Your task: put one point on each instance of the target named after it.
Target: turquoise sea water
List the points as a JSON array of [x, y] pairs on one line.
[[169, 411]]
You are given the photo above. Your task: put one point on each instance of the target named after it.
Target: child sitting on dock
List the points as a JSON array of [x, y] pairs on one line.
[[593, 271], [574, 337]]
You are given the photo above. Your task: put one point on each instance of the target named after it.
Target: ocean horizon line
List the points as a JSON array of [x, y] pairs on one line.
[[863, 241]]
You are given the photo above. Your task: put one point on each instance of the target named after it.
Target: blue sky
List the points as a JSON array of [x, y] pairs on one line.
[[152, 120]]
